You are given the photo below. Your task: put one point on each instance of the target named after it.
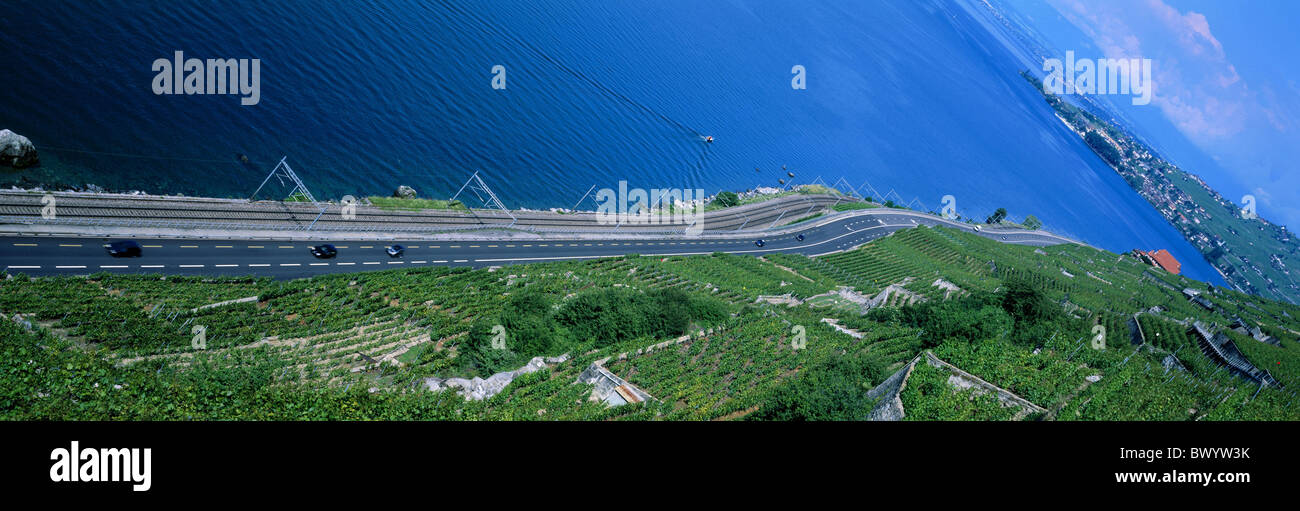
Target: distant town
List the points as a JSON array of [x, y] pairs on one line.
[[1251, 253]]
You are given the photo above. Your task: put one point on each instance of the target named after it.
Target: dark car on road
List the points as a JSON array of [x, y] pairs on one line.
[[127, 248], [324, 251], [396, 251], [760, 243], [799, 237]]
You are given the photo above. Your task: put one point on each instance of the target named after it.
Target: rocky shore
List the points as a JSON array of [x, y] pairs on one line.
[[17, 151]]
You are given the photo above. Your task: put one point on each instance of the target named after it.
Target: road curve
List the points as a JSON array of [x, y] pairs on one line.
[[45, 255]]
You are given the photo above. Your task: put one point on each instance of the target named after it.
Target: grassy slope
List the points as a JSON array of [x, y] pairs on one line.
[[401, 204]]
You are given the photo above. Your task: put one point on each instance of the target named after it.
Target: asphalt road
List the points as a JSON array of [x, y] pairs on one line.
[[44, 255]]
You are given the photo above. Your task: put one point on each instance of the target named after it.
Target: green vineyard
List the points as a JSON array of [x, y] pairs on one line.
[[1082, 333]]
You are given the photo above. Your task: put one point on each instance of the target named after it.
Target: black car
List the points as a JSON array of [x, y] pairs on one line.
[[324, 251], [760, 243], [127, 248], [799, 237], [396, 251]]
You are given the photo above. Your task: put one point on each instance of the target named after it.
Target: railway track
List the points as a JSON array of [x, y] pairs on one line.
[[121, 210]]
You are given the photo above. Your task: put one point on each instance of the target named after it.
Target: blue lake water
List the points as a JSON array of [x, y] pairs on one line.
[[910, 95]]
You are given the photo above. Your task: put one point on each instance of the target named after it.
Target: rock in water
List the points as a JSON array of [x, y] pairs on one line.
[[404, 192], [16, 150]]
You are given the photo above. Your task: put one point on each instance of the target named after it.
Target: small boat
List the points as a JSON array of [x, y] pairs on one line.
[[708, 139]]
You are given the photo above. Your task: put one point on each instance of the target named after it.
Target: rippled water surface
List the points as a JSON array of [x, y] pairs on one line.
[[364, 96]]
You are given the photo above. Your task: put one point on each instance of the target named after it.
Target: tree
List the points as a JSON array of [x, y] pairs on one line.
[[970, 318], [727, 199], [1026, 303], [1033, 223], [835, 389], [1102, 147], [998, 216]]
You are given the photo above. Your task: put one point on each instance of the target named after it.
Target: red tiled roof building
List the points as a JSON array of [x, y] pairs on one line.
[[1163, 259]]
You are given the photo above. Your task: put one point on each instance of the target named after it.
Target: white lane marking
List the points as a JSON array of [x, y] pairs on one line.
[[153, 266], [71, 267], [24, 267], [259, 265], [441, 261], [290, 264], [394, 262], [466, 260], [319, 264], [680, 253], [418, 262], [113, 266], [345, 264], [371, 262], [68, 245], [191, 266], [24, 244], [226, 265]]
